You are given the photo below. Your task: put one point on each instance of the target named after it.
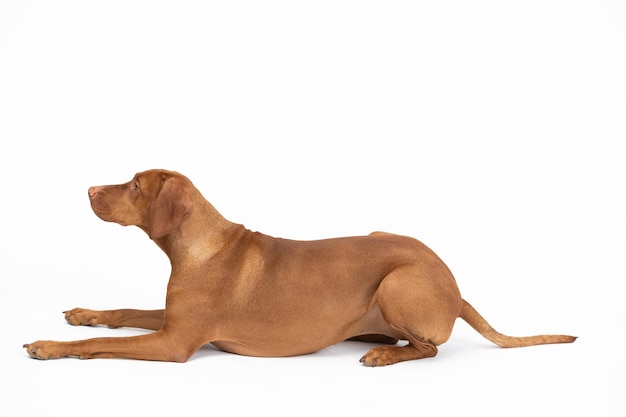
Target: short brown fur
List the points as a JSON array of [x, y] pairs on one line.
[[253, 294]]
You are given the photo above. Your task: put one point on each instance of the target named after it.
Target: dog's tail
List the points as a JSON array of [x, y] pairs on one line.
[[471, 316]]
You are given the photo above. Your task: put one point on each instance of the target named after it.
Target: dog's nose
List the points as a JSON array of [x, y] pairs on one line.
[[93, 191]]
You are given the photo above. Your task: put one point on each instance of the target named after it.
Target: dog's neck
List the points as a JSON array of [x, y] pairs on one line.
[[200, 236]]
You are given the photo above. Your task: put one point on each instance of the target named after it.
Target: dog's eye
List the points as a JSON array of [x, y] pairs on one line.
[[135, 186]]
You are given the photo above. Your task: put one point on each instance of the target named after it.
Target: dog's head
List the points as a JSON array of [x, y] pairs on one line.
[[157, 201]]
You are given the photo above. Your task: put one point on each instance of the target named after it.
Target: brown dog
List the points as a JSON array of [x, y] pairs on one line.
[[252, 294]]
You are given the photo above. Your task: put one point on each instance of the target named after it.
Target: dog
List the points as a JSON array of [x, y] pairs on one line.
[[252, 294]]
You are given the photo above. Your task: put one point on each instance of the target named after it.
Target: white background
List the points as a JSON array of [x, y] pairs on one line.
[[493, 131]]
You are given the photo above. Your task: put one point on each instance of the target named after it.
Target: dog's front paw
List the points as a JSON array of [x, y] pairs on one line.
[[43, 349], [82, 317]]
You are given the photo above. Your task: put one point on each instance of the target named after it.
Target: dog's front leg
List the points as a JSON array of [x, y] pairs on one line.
[[157, 346], [142, 319]]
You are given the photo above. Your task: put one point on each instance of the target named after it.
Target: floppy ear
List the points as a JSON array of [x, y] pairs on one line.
[[168, 209]]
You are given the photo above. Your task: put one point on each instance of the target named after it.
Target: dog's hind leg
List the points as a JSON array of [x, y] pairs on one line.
[[142, 319], [422, 304], [374, 338]]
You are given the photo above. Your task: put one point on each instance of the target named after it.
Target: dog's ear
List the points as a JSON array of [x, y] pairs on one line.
[[169, 208]]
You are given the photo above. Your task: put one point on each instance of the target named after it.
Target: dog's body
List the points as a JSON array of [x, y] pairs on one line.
[[252, 294]]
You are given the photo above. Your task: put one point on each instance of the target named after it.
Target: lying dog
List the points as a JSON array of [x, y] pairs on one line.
[[253, 294]]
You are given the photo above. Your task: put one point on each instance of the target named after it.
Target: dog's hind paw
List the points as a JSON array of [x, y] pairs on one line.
[[387, 355]]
